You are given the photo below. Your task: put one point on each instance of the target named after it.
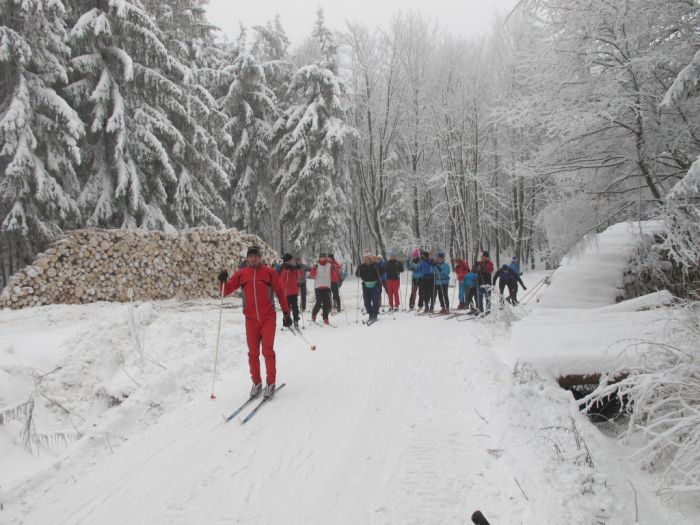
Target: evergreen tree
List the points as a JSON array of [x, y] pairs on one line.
[[312, 179], [121, 80], [39, 131], [250, 107], [202, 168]]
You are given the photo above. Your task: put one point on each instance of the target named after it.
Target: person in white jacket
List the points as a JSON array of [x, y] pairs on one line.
[[321, 273]]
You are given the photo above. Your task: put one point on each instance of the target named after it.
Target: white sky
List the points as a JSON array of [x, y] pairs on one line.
[[459, 17]]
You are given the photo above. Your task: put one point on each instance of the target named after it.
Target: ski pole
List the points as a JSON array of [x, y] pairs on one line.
[[313, 347], [343, 306], [216, 353], [357, 306], [528, 297], [532, 289]]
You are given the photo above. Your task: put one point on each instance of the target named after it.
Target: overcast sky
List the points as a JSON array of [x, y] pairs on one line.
[[460, 17]]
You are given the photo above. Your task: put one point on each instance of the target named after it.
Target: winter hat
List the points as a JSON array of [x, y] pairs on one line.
[[253, 250], [330, 256], [392, 253], [515, 259], [287, 257], [440, 255], [322, 255], [485, 254], [415, 253], [367, 254]]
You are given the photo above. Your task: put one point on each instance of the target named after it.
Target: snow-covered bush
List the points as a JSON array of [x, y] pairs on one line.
[[662, 400]]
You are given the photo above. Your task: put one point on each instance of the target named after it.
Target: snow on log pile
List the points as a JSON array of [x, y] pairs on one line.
[[577, 327], [109, 265]]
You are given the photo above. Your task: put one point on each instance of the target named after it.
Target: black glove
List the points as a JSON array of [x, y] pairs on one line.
[[524, 287], [287, 320], [223, 277]]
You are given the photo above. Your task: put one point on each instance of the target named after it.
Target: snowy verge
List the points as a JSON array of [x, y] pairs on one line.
[[575, 327]]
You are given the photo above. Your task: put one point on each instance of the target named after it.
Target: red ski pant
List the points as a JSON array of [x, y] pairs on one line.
[[258, 332], [392, 289]]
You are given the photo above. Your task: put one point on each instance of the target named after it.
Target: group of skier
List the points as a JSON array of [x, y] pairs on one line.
[[430, 278]]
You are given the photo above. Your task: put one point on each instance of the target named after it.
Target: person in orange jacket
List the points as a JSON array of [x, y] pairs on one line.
[[259, 284]]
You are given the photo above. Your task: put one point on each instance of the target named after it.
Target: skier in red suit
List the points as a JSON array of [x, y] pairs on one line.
[[259, 284]]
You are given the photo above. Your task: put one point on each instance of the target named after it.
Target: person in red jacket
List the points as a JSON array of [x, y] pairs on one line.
[[289, 277], [461, 269], [335, 281], [259, 283], [484, 269]]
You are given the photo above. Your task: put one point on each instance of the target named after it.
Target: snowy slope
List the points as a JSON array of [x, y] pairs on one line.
[[574, 325], [413, 420]]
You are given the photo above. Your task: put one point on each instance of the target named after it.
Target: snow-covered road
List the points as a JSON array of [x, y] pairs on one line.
[[412, 420]]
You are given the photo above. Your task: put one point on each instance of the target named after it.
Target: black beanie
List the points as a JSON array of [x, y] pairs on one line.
[[253, 250], [287, 257]]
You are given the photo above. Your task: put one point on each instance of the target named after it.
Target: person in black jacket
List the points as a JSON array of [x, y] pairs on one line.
[[393, 270], [368, 271], [505, 276]]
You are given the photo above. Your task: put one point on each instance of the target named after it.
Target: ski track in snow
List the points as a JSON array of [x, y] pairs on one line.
[[408, 421]]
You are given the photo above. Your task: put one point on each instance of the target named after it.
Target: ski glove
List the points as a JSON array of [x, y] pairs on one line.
[[223, 277], [287, 320]]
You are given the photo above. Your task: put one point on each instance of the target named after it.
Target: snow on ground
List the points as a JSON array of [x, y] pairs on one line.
[[574, 325], [412, 420]]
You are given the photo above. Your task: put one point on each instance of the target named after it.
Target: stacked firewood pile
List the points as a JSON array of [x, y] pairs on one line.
[[118, 265]]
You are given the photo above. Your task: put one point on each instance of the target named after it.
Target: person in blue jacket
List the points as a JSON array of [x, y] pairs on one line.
[[515, 265], [469, 284], [507, 277], [427, 281], [442, 282], [414, 265]]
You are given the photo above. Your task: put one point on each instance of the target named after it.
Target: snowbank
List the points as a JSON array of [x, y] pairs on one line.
[[575, 327]]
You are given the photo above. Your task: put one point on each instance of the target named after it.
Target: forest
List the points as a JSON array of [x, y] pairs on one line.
[[565, 117]]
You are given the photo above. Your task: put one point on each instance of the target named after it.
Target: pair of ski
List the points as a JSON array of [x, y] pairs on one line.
[[461, 314], [471, 317], [255, 408], [321, 325]]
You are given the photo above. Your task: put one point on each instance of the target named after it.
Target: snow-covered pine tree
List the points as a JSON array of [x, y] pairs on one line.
[[270, 48], [202, 167], [250, 108], [39, 131], [312, 179], [122, 81]]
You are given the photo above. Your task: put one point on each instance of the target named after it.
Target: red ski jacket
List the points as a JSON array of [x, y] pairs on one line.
[[289, 278], [258, 285], [335, 271], [461, 269]]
